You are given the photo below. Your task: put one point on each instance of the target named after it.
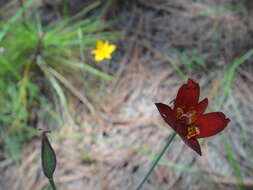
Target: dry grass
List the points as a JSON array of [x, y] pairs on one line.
[[113, 148]]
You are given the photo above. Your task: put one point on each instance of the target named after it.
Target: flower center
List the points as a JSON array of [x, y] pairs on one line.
[[188, 118]]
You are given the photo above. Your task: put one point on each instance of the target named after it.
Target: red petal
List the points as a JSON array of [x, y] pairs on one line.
[[210, 124], [167, 114], [201, 107], [169, 117], [193, 143], [188, 95]]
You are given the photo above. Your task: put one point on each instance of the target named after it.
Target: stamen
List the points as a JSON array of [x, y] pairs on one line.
[[179, 113], [188, 117], [192, 131]]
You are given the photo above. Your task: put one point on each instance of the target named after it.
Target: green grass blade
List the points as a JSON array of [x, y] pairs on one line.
[[228, 78], [90, 69], [56, 86], [235, 165], [14, 18], [68, 20], [222, 10]]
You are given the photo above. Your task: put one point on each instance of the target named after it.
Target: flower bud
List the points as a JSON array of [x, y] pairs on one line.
[[48, 157]]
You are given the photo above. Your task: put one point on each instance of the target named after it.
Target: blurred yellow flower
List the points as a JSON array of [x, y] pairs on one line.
[[103, 50]]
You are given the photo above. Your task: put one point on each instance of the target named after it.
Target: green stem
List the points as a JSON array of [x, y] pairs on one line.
[[52, 184], [156, 161]]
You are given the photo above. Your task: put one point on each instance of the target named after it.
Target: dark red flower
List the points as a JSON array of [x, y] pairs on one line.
[[187, 117]]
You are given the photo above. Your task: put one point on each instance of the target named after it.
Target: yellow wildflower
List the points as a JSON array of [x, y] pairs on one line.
[[103, 50]]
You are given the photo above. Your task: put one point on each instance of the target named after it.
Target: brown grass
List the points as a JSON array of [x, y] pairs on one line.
[[113, 148]]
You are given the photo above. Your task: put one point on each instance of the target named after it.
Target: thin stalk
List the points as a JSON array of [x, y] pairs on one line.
[[65, 8], [23, 8], [52, 184], [21, 4], [156, 161]]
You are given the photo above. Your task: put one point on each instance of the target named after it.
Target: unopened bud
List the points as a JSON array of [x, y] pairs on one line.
[[48, 157]]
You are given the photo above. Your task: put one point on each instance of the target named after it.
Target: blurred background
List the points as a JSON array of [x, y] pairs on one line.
[[105, 128]]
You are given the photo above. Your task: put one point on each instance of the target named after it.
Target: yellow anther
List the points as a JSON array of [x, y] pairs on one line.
[[179, 112], [192, 131]]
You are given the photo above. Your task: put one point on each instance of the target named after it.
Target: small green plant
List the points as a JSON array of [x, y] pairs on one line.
[[36, 64], [192, 59]]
